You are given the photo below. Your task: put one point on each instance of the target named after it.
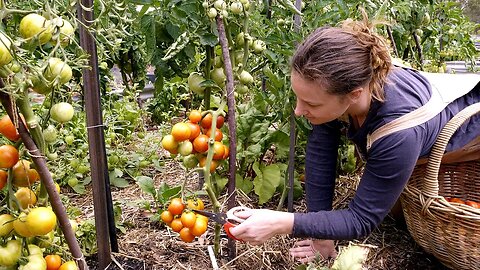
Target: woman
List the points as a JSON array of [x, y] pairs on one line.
[[345, 74]]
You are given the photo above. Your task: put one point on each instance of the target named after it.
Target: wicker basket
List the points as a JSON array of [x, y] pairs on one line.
[[449, 231]]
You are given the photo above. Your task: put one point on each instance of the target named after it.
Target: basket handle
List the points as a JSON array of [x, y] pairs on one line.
[[430, 184]]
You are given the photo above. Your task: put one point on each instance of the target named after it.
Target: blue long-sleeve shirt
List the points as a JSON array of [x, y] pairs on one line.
[[389, 162]]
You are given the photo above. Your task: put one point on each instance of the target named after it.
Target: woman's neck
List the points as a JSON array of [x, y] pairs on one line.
[[358, 111]]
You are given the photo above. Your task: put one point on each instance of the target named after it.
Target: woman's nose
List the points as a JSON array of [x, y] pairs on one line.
[[299, 110]]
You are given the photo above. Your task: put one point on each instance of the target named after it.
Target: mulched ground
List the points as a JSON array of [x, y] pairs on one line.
[[149, 245]]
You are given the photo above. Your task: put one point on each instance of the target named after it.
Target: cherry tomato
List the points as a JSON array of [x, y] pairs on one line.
[[206, 122], [226, 152], [8, 156], [218, 134], [176, 206], [169, 143], [3, 179], [218, 150], [188, 219], [473, 204], [23, 175], [166, 216], [200, 227], [195, 204], [220, 121], [176, 225], [181, 132], [186, 235], [6, 224], [8, 129], [194, 131], [200, 144], [185, 148], [26, 197], [195, 116], [54, 261], [203, 161]]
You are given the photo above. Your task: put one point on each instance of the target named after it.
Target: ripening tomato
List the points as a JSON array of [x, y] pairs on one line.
[[23, 175], [218, 134], [206, 122], [220, 121], [190, 161], [8, 156], [3, 179], [185, 148], [195, 204], [20, 226], [53, 261], [176, 206], [186, 235], [200, 227], [473, 204], [226, 152], [6, 224], [41, 220], [35, 24], [181, 131], [188, 219], [5, 47], [70, 265], [195, 116], [203, 161], [169, 143], [194, 131], [218, 150], [200, 144], [8, 129], [166, 216], [26, 197], [176, 225]]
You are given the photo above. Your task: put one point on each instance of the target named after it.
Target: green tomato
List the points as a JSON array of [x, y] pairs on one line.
[[32, 25], [241, 89], [62, 112], [245, 77], [194, 81], [72, 182], [218, 76], [52, 156], [190, 161], [66, 32], [74, 163], [236, 7], [50, 134], [57, 68], [5, 44], [259, 46], [10, 254], [35, 262], [83, 169], [40, 86], [212, 13], [185, 148]]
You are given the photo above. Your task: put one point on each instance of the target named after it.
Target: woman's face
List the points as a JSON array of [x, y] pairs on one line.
[[314, 103]]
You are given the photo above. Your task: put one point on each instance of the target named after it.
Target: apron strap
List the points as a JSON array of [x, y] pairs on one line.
[[445, 89]]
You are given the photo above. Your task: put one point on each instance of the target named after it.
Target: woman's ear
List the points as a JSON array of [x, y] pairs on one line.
[[355, 95]]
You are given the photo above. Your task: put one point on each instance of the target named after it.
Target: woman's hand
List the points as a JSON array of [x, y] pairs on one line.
[[261, 225], [306, 250]]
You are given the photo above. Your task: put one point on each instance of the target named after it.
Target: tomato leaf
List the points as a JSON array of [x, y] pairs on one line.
[[209, 39], [245, 185], [146, 185], [221, 183], [266, 182]]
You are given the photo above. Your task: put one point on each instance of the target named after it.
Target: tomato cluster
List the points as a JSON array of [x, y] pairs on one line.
[[192, 140], [180, 218], [460, 201]]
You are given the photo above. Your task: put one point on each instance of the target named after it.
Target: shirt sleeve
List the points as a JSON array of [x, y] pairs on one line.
[[320, 165], [389, 165]]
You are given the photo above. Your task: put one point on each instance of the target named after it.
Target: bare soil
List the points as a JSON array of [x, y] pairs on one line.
[[151, 245]]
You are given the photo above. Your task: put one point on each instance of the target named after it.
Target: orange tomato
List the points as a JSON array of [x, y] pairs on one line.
[[457, 200], [26, 197], [227, 152], [200, 227], [176, 225], [70, 265], [169, 143], [166, 216], [200, 144], [218, 150], [203, 161], [176, 206], [220, 121], [195, 204], [23, 176], [218, 134], [194, 131], [186, 235], [3, 179], [54, 261], [8, 156], [188, 219], [206, 122], [195, 116], [473, 204], [8, 129], [181, 131]]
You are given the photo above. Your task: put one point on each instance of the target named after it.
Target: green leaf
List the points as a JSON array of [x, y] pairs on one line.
[[119, 182], [167, 192], [209, 39], [245, 185], [146, 185], [266, 182], [80, 189], [281, 140], [221, 183]]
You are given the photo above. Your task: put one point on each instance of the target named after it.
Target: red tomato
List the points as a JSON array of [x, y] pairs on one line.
[[200, 144], [7, 129], [8, 156]]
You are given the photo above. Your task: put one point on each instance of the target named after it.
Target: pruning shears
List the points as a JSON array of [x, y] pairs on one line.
[[228, 220]]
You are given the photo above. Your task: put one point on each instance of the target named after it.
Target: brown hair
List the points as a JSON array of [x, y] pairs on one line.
[[344, 58]]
